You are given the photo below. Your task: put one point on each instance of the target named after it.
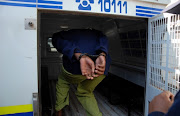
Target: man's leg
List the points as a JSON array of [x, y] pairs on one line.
[[63, 86], [62, 94], [86, 97]]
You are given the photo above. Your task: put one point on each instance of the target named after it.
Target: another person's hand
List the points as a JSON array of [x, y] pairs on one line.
[[100, 65], [87, 66], [161, 102]]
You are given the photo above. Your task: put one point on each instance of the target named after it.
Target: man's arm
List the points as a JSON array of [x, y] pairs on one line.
[[100, 64], [102, 44], [175, 108], [156, 113], [161, 103], [102, 50], [65, 46]]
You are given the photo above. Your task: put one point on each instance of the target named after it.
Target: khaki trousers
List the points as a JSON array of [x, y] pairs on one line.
[[84, 91]]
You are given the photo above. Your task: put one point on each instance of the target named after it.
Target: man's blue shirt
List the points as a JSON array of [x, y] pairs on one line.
[[73, 41]]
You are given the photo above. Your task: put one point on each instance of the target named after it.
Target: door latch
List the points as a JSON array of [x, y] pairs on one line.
[[30, 24]]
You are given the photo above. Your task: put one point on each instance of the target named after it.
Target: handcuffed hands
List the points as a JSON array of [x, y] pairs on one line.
[[89, 68]]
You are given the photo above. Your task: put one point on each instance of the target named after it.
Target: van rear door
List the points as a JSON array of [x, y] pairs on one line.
[[163, 56]]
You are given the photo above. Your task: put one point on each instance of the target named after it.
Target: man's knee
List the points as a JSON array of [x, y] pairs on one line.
[[84, 92]]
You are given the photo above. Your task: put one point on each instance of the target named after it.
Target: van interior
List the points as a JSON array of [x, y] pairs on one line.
[[122, 92]]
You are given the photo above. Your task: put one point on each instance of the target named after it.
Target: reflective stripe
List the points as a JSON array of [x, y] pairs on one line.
[[41, 4], [144, 15], [147, 11], [16, 109], [17, 4], [144, 11], [20, 114], [50, 2], [50, 7], [149, 8], [32, 1]]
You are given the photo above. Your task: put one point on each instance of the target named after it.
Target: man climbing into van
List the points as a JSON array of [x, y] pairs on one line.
[[85, 63]]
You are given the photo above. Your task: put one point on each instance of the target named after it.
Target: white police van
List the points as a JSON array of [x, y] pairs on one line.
[[28, 57]]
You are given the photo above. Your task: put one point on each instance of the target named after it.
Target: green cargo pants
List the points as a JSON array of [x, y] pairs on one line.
[[84, 91]]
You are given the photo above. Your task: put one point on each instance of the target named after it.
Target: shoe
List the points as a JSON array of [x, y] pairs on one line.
[[59, 113]]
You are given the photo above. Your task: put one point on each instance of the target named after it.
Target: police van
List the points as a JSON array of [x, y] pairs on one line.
[[143, 43]]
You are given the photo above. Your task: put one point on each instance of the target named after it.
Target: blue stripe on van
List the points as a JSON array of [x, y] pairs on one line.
[[144, 15], [48, 6], [20, 114], [33, 1], [17, 4], [50, 2], [144, 11], [149, 8]]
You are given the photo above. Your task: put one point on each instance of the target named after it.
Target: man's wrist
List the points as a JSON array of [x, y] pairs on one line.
[[82, 55], [102, 54], [77, 55]]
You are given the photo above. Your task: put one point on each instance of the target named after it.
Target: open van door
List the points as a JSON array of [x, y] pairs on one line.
[[18, 48], [163, 56]]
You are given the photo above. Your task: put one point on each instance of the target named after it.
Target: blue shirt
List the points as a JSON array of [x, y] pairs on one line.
[[73, 41], [173, 111]]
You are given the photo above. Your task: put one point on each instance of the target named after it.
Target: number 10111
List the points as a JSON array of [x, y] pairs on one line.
[[106, 5]]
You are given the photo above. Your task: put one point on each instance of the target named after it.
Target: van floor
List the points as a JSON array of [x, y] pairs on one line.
[[108, 105]]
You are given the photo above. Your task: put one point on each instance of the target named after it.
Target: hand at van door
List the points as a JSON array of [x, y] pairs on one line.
[[161, 102], [100, 65]]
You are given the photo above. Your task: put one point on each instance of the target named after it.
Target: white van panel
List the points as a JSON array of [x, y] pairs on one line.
[[18, 61]]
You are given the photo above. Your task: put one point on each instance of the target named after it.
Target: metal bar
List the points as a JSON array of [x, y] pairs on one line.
[[35, 104], [167, 52]]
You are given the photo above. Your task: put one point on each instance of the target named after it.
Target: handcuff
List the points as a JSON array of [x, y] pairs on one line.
[[93, 57]]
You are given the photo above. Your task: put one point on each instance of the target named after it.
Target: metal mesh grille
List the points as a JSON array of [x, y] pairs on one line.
[[134, 43], [164, 53], [174, 54]]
